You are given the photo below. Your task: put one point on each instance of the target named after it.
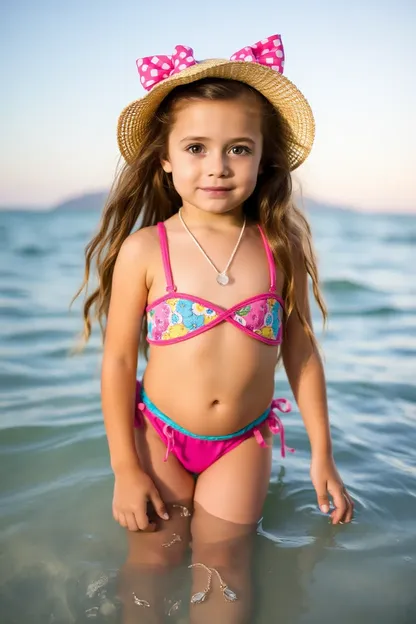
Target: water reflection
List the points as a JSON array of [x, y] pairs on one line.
[[194, 568], [71, 564], [156, 585]]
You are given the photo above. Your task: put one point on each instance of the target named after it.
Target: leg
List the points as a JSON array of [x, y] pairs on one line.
[[146, 574], [235, 486], [228, 500]]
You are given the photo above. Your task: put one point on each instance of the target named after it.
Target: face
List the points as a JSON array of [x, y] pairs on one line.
[[214, 153]]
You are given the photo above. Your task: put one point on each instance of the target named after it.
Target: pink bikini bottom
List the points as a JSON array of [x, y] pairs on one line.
[[197, 453]]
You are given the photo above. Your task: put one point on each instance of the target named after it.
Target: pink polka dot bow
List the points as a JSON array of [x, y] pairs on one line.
[[154, 69]]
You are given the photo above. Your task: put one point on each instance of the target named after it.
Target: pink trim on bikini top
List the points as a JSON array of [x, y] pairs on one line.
[[161, 311]]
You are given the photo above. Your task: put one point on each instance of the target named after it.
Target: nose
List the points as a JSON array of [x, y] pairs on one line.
[[217, 164]]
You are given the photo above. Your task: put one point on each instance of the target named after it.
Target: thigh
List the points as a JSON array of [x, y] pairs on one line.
[[235, 486], [174, 483]]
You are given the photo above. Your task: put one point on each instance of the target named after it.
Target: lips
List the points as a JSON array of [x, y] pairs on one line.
[[215, 188]]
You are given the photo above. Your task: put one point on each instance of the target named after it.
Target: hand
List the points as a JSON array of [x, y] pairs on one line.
[[133, 488], [325, 479]]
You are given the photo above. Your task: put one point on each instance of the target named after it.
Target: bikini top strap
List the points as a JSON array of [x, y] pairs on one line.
[[270, 260], [161, 230]]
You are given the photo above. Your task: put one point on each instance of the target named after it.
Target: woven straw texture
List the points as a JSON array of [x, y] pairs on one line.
[[284, 96]]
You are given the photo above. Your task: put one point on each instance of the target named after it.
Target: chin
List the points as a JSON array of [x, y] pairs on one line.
[[217, 206]]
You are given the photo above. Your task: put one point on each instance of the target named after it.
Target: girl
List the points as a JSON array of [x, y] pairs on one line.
[[216, 276]]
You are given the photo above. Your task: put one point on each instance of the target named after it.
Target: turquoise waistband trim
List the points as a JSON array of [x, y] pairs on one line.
[[168, 421]]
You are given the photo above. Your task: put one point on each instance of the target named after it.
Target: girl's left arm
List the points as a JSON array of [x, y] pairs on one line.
[[306, 376]]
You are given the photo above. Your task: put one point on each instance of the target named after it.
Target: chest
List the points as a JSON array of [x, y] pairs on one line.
[[249, 273]]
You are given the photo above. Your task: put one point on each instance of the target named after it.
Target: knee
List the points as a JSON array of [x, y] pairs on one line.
[[227, 550], [217, 543], [219, 555]]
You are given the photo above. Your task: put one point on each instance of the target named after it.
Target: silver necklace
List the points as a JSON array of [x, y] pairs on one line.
[[222, 277]]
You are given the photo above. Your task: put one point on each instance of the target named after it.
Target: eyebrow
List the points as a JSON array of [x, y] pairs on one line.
[[236, 140]]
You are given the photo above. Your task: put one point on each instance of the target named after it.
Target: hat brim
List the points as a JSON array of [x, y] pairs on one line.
[[135, 118]]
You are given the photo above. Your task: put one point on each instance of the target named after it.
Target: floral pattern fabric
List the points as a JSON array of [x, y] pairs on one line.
[[175, 318]]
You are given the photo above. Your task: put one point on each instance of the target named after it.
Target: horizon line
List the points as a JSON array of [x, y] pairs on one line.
[[335, 205]]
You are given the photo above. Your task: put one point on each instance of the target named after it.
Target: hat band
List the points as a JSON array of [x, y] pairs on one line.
[[155, 69]]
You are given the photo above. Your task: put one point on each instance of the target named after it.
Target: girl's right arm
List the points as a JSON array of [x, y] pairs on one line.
[[133, 487]]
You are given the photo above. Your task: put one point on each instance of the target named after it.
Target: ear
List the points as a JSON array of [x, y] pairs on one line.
[[166, 166]]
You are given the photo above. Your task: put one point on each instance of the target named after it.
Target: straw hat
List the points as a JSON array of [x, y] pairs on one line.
[[260, 66]]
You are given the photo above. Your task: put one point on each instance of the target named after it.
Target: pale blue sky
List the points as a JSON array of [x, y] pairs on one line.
[[68, 69]]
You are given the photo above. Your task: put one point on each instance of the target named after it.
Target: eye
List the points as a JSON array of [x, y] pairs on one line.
[[195, 149], [240, 150]]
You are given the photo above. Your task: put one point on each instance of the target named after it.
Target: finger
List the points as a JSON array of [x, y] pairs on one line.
[[131, 522], [350, 507], [142, 522], [158, 505], [151, 527], [122, 520], [115, 514], [340, 504], [322, 496]]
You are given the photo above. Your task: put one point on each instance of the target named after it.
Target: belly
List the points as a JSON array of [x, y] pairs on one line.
[[214, 383]]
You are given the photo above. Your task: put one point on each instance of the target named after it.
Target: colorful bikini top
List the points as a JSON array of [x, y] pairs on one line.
[[178, 316]]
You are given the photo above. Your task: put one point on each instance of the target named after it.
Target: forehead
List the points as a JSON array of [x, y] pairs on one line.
[[216, 118]]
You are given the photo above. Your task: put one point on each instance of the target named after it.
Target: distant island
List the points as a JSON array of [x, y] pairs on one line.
[[96, 201], [88, 201]]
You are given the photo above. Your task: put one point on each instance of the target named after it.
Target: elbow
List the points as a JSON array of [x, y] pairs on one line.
[[115, 364]]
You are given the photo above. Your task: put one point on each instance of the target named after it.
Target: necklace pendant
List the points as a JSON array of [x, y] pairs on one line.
[[222, 279]]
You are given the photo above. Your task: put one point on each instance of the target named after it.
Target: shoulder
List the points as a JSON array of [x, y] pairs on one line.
[[137, 252], [140, 243]]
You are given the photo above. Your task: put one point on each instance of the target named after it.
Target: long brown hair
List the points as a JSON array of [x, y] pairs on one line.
[[143, 192]]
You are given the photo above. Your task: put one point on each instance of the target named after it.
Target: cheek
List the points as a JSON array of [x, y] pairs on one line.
[[183, 171], [250, 171]]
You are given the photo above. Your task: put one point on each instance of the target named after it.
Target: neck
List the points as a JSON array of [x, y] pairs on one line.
[[194, 217]]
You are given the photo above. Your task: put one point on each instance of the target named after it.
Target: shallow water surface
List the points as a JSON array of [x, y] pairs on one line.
[[60, 551]]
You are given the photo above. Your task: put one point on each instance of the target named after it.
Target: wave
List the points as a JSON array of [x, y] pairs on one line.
[[346, 286], [33, 251], [382, 311], [377, 311], [360, 390], [403, 239], [13, 292], [48, 335], [12, 312]]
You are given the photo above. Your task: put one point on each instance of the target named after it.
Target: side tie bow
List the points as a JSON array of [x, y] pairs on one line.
[[276, 425]]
